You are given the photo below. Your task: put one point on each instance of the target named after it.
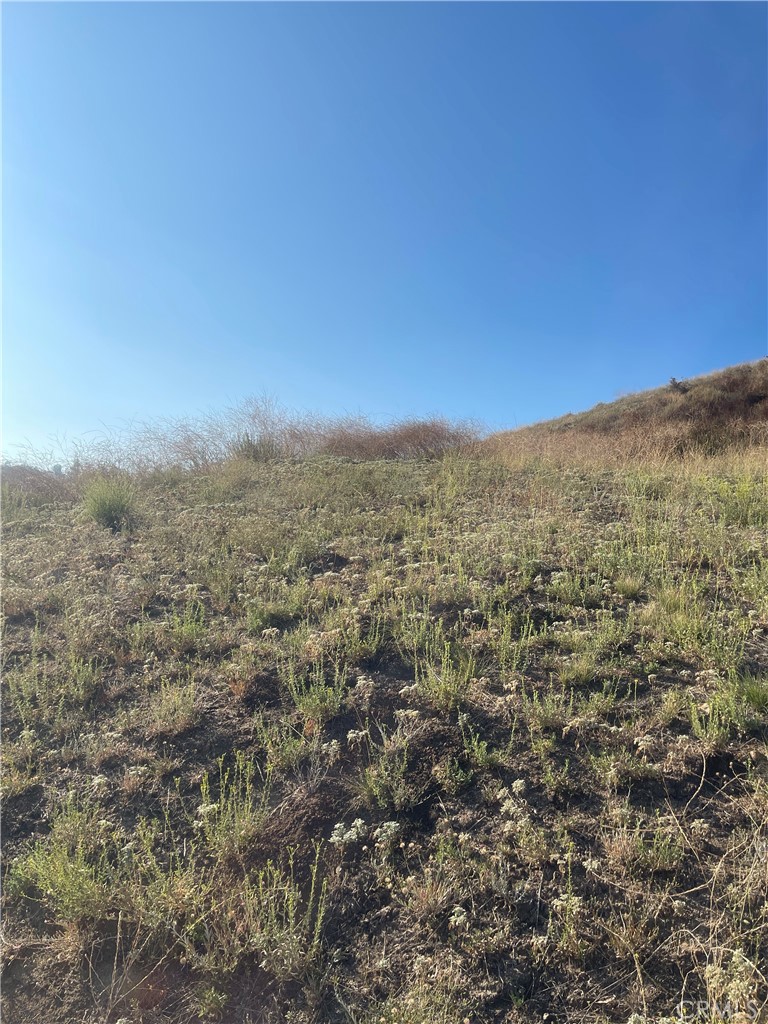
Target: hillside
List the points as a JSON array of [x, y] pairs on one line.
[[705, 414], [390, 741]]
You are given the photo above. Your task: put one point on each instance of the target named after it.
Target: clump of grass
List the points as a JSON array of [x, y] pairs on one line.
[[384, 782], [172, 708], [315, 698], [187, 626], [56, 695], [443, 676], [421, 1002], [644, 849], [548, 709], [736, 705], [288, 925], [629, 587], [754, 690], [230, 820], [111, 502], [579, 670], [69, 870], [283, 743]]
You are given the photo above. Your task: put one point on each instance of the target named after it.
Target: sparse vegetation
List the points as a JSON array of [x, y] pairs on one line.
[[443, 734]]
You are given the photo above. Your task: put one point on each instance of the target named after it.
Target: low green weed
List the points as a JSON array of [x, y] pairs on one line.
[[443, 675], [71, 869], [231, 819], [384, 782], [187, 626], [283, 743], [315, 697]]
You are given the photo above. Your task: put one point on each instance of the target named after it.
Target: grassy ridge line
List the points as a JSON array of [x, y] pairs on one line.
[[404, 740], [258, 430], [704, 415]]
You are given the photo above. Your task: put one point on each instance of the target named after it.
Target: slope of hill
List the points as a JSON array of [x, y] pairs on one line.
[[397, 741], [705, 414]]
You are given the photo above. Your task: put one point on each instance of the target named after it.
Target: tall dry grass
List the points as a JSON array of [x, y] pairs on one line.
[[258, 429], [663, 444], [723, 414]]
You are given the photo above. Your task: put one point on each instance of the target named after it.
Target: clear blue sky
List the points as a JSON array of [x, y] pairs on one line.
[[505, 211]]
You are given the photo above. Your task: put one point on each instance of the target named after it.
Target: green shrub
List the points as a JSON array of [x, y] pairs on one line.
[[111, 502]]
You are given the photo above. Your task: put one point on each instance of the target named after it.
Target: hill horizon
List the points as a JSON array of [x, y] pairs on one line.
[[328, 723], [712, 410]]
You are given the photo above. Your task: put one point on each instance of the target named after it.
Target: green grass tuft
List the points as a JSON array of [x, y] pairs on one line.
[[111, 502]]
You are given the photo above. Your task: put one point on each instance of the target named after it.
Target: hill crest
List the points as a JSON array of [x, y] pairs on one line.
[[708, 413]]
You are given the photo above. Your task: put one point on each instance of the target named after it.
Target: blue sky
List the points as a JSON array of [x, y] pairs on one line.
[[501, 211]]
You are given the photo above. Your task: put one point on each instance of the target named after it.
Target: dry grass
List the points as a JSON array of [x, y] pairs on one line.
[[725, 412], [258, 430], [401, 740]]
